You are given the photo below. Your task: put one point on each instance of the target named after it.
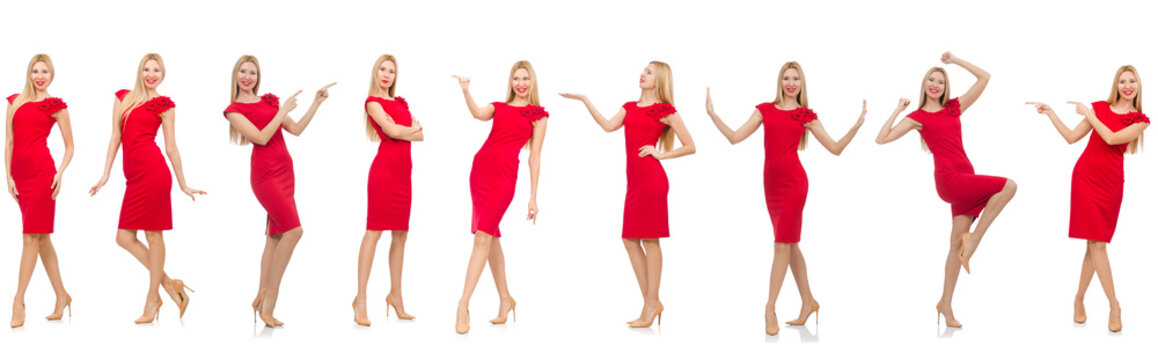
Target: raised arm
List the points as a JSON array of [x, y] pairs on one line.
[[1070, 135], [111, 153], [8, 142], [481, 113], [889, 133], [1111, 137], [978, 86], [65, 125], [392, 129], [836, 147], [297, 127], [616, 121], [167, 120], [687, 147], [533, 161], [734, 136], [262, 136]]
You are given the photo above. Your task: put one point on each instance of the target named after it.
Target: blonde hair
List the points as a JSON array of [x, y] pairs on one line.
[[29, 91], [374, 88], [138, 95], [924, 98], [235, 90], [801, 97], [665, 94], [533, 97], [1115, 95]]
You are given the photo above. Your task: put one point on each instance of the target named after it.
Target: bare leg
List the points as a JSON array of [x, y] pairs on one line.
[[961, 225], [654, 269], [397, 249], [800, 274], [992, 209], [779, 268], [156, 266], [474, 268], [498, 266], [639, 264], [281, 258], [266, 264], [27, 265], [52, 268], [1084, 279], [1101, 261], [127, 239], [365, 261]]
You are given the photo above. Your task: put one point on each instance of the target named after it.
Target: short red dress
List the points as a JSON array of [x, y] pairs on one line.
[[388, 191], [645, 206], [32, 165], [957, 184], [1098, 179], [785, 182], [496, 165], [271, 169], [148, 182]]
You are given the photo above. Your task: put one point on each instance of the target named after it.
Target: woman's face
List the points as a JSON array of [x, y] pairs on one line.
[[935, 85], [386, 74], [247, 76], [521, 82], [1127, 86], [40, 75], [790, 82], [647, 78], [152, 74]]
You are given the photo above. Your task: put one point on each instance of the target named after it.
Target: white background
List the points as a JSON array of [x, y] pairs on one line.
[[875, 232]]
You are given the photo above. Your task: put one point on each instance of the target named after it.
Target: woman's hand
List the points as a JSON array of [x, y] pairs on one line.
[[55, 185], [463, 81], [903, 103], [650, 150], [12, 189], [532, 211], [191, 191], [1082, 109], [323, 93], [98, 186], [1042, 108]]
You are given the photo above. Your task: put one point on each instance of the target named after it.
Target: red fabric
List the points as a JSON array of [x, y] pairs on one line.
[[496, 165], [1098, 179], [957, 184], [785, 182], [32, 165], [645, 205], [388, 191], [271, 170], [148, 183]]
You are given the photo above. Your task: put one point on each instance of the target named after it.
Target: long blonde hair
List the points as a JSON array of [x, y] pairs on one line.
[[801, 97], [138, 95], [924, 98], [235, 90], [664, 93], [533, 97], [1115, 95], [29, 91], [374, 87]]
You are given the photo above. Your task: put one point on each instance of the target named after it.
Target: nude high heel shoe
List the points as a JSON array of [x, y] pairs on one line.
[[183, 298], [363, 322], [961, 256], [656, 316], [401, 315], [949, 323], [503, 320], [67, 305], [815, 309], [156, 313]]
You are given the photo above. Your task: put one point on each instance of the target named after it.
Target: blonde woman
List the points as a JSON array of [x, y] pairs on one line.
[[787, 122], [519, 122], [33, 180], [649, 125], [137, 114], [259, 120], [389, 122], [971, 196], [1099, 177]]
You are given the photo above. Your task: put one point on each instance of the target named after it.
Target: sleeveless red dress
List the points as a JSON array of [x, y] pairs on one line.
[[645, 206], [32, 165], [785, 182], [271, 169], [1098, 179], [957, 184], [147, 204], [388, 191], [496, 165]]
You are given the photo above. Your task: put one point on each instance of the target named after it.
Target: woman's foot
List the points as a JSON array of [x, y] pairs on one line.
[[771, 326], [360, 311], [506, 306], [650, 313], [1079, 311], [806, 310], [58, 310], [462, 320], [152, 309], [394, 300], [1115, 317], [17, 314], [945, 310]]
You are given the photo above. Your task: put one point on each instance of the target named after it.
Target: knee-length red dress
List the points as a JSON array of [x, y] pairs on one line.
[[1098, 179], [32, 165], [645, 205], [271, 169], [496, 165], [957, 184], [148, 182], [785, 182], [388, 191]]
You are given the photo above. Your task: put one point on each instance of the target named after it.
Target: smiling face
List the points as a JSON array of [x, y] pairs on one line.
[[1128, 86], [935, 86], [152, 74], [387, 71], [790, 83], [247, 76], [41, 76], [647, 78], [521, 82]]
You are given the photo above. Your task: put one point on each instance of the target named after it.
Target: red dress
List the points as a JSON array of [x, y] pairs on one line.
[[1096, 191], [957, 184], [388, 192], [147, 204], [271, 170], [496, 165], [645, 206], [785, 183], [32, 166]]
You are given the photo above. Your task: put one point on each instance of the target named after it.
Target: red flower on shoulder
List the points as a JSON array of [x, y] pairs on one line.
[[270, 99], [159, 105], [659, 110], [1134, 118], [402, 102], [52, 105], [533, 112], [803, 115], [953, 107]]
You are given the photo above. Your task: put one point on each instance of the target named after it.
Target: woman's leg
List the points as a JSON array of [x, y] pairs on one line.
[[1101, 261], [1084, 279], [474, 268], [365, 262], [155, 262], [52, 268], [800, 274], [27, 265], [278, 265], [992, 209], [397, 250], [127, 239], [639, 265], [780, 262], [498, 266], [961, 225], [654, 270]]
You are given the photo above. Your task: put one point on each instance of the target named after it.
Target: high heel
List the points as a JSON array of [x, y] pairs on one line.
[[961, 256], [463, 329], [503, 320], [656, 316], [632, 321], [401, 315], [156, 313], [949, 323], [1115, 323], [67, 305], [259, 303], [815, 309], [1079, 318], [363, 322], [770, 327], [183, 298], [18, 322]]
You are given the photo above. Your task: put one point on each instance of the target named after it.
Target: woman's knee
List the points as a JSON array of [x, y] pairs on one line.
[[482, 239], [1010, 187]]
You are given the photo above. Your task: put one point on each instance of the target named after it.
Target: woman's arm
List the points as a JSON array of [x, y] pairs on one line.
[[65, 125], [167, 121], [1109, 136], [533, 161], [262, 136], [483, 113], [734, 136], [890, 133], [836, 147], [978, 86], [616, 121], [111, 153], [687, 147], [8, 142], [1070, 135], [391, 129], [297, 127]]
